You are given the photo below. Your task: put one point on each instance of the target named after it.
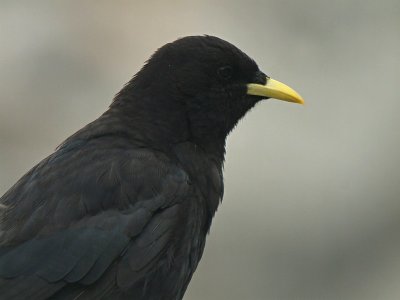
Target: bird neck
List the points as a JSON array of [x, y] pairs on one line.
[[156, 121]]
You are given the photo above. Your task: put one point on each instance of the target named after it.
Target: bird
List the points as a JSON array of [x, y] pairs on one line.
[[122, 208]]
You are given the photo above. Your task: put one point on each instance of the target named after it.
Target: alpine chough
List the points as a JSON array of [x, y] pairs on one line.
[[122, 208]]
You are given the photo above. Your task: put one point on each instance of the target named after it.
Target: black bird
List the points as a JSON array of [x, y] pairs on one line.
[[122, 208]]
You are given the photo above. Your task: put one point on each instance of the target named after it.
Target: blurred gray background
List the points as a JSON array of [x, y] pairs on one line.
[[311, 208]]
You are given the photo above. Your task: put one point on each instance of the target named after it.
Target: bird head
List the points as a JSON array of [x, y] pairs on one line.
[[206, 84]]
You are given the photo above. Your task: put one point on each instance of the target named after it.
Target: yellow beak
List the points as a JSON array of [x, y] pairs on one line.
[[274, 89]]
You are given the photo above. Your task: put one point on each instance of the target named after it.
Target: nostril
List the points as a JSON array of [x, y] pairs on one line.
[[260, 78]]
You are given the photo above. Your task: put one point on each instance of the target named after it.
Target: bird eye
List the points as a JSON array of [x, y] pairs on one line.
[[225, 72]]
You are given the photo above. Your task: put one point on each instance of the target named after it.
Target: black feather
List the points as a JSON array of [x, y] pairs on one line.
[[122, 208]]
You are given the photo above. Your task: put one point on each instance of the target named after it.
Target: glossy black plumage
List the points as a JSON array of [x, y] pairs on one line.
[[122, 208]]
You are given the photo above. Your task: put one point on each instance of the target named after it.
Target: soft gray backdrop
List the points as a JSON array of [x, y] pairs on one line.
[[312, 208]]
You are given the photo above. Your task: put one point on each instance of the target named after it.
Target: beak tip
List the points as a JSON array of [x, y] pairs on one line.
[[301, 101]]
